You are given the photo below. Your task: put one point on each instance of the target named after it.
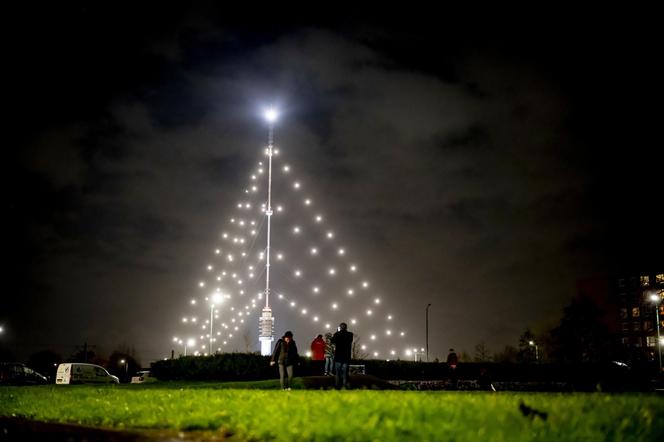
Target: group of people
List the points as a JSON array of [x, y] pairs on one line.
[[331, 356]]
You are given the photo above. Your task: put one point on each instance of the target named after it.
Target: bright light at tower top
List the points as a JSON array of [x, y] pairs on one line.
[[271, 115]]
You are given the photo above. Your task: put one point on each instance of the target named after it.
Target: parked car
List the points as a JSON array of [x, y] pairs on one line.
[[80, 373], [143, 376], [14, 373]]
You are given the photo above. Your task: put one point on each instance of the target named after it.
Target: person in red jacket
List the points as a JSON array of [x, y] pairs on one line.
[[318, 354]]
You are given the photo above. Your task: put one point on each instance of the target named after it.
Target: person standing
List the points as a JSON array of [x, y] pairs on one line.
[[343, 344], [452, 361], [318, 354], [286, 356], [329, 355]]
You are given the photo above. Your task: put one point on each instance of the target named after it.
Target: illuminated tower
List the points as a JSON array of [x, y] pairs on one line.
[[266, 321]]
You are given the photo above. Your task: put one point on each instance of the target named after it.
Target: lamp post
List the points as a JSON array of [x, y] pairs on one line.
[[656, 299], [534, 344], [126, 364], [214, 300], [190, 342], [427, 330]]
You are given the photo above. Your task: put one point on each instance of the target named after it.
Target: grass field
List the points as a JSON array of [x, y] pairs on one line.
[[261, 412]]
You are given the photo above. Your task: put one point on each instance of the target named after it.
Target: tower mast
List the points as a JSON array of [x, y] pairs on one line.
[[266, 321]]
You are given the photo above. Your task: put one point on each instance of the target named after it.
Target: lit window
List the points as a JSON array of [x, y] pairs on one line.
[[636, 312], [645, 281], [652, 341], [659, 279]]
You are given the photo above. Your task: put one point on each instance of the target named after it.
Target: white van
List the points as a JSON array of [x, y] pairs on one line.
[[80, 373]]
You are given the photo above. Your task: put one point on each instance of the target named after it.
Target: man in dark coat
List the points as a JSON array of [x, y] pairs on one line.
[[343, 344], [285, 354]]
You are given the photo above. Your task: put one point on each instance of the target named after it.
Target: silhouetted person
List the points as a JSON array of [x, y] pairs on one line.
[[452, 361], [285, 355], [343, 343], [329, 355]]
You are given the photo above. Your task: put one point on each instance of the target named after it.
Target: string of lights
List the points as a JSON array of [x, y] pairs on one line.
[[316, 283]]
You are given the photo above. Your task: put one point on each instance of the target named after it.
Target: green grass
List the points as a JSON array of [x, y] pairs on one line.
[[258, 412]]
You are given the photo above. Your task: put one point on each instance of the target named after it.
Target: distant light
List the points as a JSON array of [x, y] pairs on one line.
[[193, 302], [654, 298], [308, 354], [330, 235], [286, 168], [271, 115], [307, 202], [296, 185], [342, 251]]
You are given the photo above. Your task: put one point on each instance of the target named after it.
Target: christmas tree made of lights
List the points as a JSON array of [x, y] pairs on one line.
[[311, 283]]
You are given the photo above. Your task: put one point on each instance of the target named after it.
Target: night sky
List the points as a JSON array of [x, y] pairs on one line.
[[484, 165]]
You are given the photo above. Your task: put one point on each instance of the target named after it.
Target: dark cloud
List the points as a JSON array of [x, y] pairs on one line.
[[461, 171]]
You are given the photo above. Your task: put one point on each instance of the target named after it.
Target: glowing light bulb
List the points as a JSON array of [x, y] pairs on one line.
[[297, 273], [315, 289], [280, 209], [296, 185], [318, 218], [389, 317], [341, 252], [286, 168], [373, 337], [292, 303], [296, 230], [334, 306], [353, 321], [402, 334], [388, 332], [224, 235], [315, 318], [201, 284], [350, 292], [369, 312], [304, 311], [377, 301], [280, 256], [307, 202], [330, 235], [314, 251], [271, 115], [365, 284], [353, 268], [363, 347], [193, 302], [332, 271], [217, 251]]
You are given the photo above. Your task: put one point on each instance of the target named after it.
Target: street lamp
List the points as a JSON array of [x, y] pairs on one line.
[[534, 344], [656, 299], [126, 364], [427, 330], [190, 342], [215, 299]]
